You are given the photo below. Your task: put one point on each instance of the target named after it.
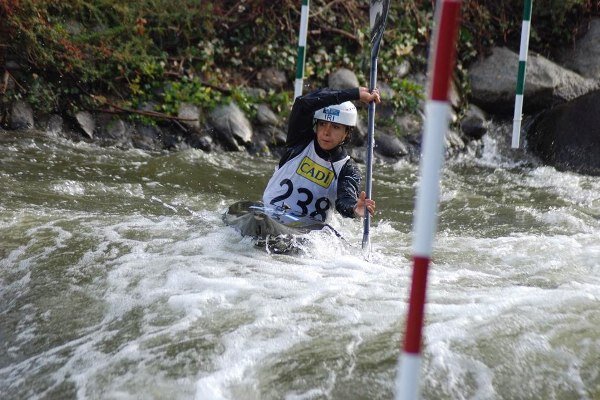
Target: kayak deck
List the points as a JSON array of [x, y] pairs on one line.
[[274, 228]]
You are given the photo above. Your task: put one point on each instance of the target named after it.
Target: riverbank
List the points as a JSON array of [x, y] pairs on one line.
[[157, 76]]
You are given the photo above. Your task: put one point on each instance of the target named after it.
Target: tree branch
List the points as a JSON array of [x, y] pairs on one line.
[[153, 114], [336, 30]]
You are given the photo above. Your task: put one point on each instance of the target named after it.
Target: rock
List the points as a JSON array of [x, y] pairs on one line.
[[403, 69], [358, 154], [146, 137], [111, 130], [359, 133], [86, 123], [200, 141], [149, 131], [173, 141], [474, 123], [54, 126], [271, 78], [257, 93], [232, 126], [21, 116], [117, 129], [190, 115], [386, 108], [474, 148], [143, 142], [409, 124], [493, 82], [454, 96], [568, 136], [265, 116], [343, 78], [261, 148], [389, 145], [584, 57], [454, 143], [272, 135]]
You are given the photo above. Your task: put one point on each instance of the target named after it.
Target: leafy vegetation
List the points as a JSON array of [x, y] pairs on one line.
[[85, 54]]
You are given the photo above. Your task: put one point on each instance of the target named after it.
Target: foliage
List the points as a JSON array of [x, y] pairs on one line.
[[205, 52], [188, 90], [408, 95]]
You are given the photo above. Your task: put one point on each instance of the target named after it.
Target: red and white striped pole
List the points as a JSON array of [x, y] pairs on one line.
[[437, 113]]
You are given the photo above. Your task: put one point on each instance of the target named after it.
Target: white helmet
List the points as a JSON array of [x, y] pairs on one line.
[[344, 114]]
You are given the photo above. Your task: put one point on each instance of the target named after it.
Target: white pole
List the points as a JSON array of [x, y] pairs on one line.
[[301, 49], [523, 49]]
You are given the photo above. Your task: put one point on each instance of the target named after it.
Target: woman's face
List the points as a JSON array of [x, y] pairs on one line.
[[330, 134]]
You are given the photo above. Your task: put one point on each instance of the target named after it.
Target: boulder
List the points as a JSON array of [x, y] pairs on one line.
[[147, 137], [494, 79], [21, 116], [271, 78], [568, 136], [360, 132], [390, 146], [112, 131], [474, 123], [199, 140], [454, 143], [584, 57], [86, 122], [232, 128], [343, 78], [266, 116], [409, 124], [54, 126], [402, 69], [386, 108], [271, 135], [190, 115]]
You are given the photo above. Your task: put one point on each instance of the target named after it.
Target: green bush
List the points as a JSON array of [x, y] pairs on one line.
[[164, 51]]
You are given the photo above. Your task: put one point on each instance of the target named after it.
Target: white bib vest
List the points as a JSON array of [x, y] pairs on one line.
[[306, 184]]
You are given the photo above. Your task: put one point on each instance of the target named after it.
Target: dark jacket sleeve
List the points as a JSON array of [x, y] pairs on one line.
[[300, 125], [348, 189]]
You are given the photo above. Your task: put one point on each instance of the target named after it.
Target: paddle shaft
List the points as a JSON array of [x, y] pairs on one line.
[[370, 145], [377, 16]]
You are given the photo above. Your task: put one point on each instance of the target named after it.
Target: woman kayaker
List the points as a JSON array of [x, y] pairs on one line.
[[315, 174]]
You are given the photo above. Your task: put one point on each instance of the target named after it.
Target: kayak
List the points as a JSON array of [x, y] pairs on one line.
[[276, 229]]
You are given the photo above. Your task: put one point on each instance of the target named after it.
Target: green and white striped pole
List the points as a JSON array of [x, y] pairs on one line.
[[516, 135], [301, 49]]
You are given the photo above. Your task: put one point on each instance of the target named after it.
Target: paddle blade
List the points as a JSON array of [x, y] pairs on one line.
[[366, 248], [378, 13]]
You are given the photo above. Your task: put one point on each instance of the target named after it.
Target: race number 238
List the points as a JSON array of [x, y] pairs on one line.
[[322, 204]]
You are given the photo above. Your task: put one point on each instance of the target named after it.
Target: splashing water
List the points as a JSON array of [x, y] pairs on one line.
[[118, 280]]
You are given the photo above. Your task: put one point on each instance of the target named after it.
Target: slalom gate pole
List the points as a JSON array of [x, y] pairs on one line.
[[437, 113], [301, 49], [524, 48]]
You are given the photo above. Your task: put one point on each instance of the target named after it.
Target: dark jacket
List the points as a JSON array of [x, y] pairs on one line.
[[301, 132]]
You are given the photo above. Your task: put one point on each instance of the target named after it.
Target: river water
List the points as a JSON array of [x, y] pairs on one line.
[[118, 280]]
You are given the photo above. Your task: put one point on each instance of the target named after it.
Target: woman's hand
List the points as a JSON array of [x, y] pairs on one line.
[[367, 97], [359, 209]]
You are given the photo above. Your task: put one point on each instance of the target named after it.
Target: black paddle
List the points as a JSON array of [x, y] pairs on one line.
[[378, 15]]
